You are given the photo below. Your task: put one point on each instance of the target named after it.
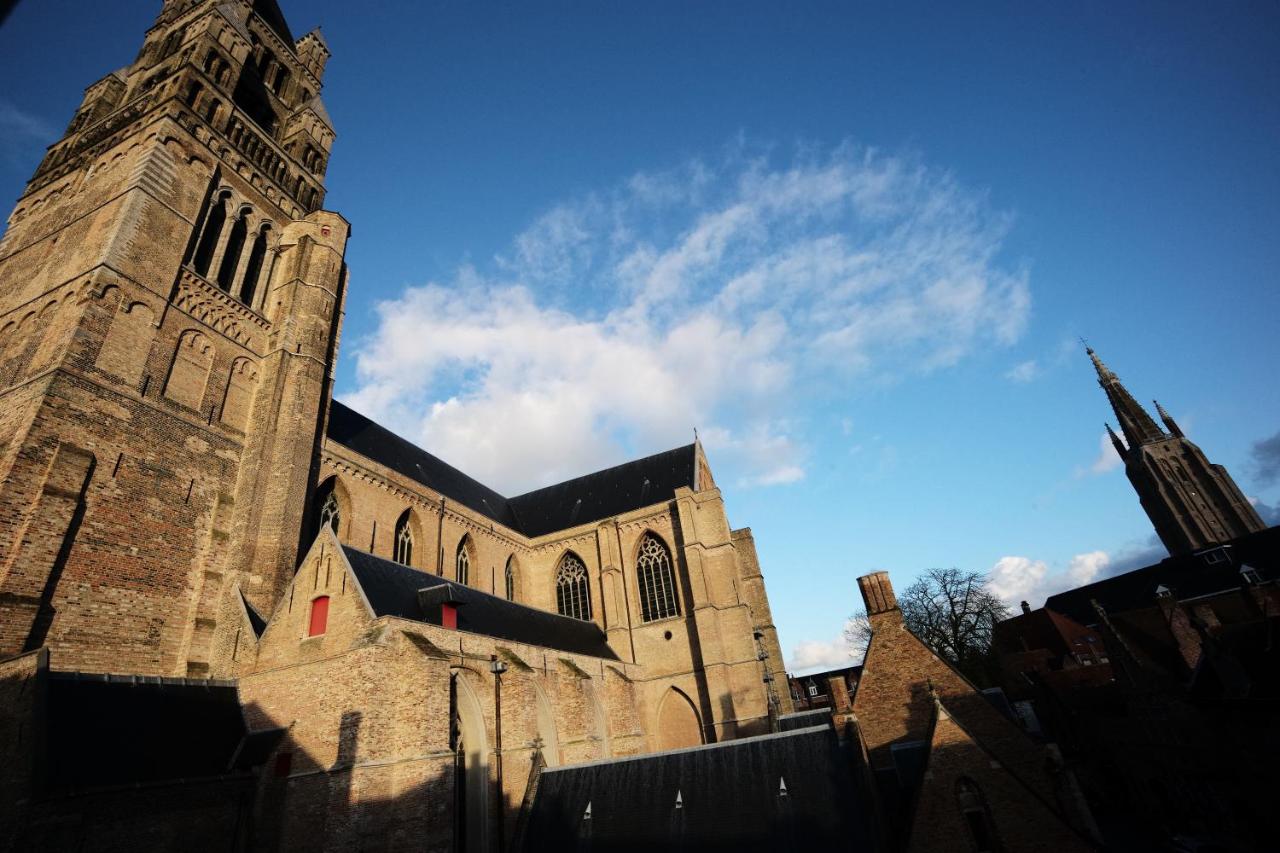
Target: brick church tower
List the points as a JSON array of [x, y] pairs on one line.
[[170, 301], [1192, 503]]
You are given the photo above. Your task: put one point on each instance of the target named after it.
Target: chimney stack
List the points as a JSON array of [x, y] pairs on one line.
[[877, 593]]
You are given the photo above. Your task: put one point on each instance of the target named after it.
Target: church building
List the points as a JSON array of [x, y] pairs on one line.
[[236, 614]]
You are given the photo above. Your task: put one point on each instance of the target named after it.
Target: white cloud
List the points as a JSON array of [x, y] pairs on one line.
[[706, 296], [808, 655], [1016, 579], [1108, 459], [1085, 568], [1024, 372]]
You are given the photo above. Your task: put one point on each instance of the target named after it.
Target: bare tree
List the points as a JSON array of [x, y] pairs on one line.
[[952, 611], [857, 634]]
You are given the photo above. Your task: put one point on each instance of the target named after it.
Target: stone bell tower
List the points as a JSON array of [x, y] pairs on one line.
[[170, 299], [1192, 503]]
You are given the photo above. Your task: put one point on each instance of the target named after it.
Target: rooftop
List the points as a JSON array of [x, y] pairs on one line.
[[582, 500], [397, 590]]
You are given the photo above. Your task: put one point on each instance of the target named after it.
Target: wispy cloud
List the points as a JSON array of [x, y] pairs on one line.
[[1024, 372], [23, 135], [719, 295]]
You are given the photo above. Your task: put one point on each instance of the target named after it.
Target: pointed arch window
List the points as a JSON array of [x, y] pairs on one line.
[[462, 562], [403, 547], [213, 224], [329, 511], [573, 591], [231, 253], [657, 580], [509, 578], [249, 284], [977, 817]]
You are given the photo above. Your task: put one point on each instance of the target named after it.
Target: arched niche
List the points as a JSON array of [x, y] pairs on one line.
[[678, 723], [470, 744]]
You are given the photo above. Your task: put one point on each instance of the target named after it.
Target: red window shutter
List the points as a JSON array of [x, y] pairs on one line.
[[319, 616], [449, 615]]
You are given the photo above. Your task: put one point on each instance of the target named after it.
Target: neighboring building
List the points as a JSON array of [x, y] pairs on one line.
[[1172, 728], [815, 690], [1192, 503]]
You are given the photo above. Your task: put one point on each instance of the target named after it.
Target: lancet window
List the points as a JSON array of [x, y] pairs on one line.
[[404, 541], [509, 579], [330, 514], [462, 563], [658, 599], [573, 590]]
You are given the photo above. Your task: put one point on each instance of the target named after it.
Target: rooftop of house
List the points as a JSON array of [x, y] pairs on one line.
[[592, 497], [795, 790], [393, 589], [1187, 576]]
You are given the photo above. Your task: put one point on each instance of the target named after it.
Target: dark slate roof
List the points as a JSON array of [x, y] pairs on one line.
[[396, 590], [605, 493], [1188, 576], [105, 730], [593, 497], [353, 430], [730, 799], [270, 13]]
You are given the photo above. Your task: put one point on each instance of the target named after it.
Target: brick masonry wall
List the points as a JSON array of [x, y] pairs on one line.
[[1019, 821]]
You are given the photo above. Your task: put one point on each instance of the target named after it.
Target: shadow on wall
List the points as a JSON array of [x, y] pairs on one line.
[[91, 763]]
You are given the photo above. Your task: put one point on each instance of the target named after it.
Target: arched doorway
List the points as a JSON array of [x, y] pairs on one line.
[[471, 769], [678, 723]]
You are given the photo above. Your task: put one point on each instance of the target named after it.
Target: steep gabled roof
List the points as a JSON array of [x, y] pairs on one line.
[[606, 493], [731, 797], [582, 500], [353, 430], [270, 13], [396, 590]]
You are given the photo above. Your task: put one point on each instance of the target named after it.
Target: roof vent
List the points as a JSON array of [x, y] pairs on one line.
[[782, 786], [586, 815], [1163, 591], [679, 799], [1250, 574]]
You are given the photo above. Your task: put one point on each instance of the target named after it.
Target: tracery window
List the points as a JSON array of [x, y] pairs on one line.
[[463, 562], [329, 513], [509, 578], [573, 591], [657, 581], [403, 550]]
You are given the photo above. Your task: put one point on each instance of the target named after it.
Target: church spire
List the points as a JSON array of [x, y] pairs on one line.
[[1170, 424], [1192, 503], [1121, 450], [1138, 426]]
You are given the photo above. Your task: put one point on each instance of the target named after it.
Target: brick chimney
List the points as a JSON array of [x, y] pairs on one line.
[[877, 593]]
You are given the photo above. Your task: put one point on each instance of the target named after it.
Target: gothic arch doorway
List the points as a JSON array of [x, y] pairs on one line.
[[678, 723], [471, 770]]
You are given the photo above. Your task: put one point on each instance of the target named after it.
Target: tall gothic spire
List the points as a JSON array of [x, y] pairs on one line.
[[1137, 425], [1192, 503]]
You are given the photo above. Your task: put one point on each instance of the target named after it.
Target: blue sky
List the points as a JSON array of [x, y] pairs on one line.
[[854, 245]]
